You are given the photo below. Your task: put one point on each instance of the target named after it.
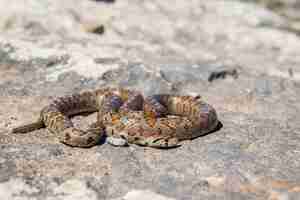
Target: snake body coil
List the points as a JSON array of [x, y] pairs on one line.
[[164, 121], [158, 121]]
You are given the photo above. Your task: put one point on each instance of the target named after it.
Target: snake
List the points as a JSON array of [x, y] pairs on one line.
[[125, 116], [164, 122]]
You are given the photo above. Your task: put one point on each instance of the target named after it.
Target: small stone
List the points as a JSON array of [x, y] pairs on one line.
[[117, 141]]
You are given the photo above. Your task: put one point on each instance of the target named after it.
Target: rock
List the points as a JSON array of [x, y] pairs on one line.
[[240, 57], [74, 189], [69, 189], [16, 188], [116, 141], [263, 86]]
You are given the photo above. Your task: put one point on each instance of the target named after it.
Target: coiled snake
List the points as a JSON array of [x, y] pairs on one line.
[[159, 121]]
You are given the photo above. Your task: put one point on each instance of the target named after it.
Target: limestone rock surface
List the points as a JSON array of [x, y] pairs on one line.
[[235, 54]]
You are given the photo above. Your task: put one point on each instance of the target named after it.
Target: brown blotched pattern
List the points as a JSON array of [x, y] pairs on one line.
[[164, 121], [158, 121], [56, 116]]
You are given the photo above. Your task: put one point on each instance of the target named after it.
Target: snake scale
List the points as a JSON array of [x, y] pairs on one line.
[[160, 121]]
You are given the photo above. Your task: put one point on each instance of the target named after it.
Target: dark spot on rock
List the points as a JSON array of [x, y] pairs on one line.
[[201, 185], [291, 72], [222, 74], [106, 60], [263, 86], [98, 30], [51, 61], [36, 29]]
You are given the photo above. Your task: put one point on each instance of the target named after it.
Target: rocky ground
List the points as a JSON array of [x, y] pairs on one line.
[[238, 55]]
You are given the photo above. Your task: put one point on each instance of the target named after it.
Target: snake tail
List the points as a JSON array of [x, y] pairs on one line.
[[29, 127]]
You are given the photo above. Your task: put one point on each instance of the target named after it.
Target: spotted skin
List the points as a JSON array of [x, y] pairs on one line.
[[199, 116], [56, 116], [159, 121], [164, 122]]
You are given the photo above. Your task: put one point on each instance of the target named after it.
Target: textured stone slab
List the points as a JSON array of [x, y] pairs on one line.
[[236, 54]]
